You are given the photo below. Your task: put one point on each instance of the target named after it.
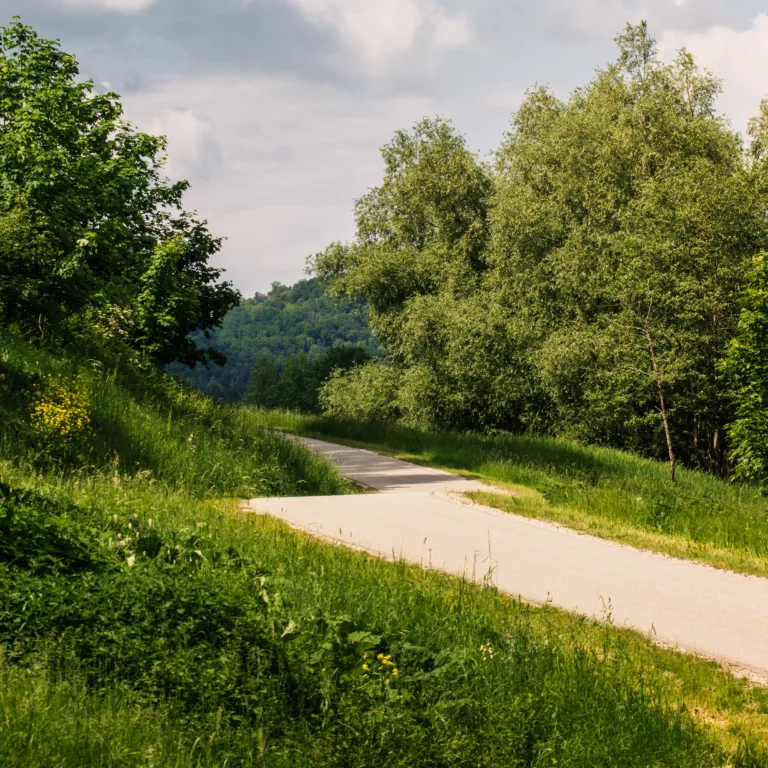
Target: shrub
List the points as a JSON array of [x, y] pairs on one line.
[[61, 409], [366, 393]]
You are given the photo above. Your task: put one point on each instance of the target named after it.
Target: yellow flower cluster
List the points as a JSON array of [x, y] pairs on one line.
[[61, 408], [385, 665]]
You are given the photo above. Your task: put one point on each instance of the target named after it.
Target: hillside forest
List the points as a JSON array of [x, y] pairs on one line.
[[288, 328]]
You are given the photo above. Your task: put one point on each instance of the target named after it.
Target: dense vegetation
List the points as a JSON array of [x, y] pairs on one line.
[[90, 231], [298, 385], [587, 284], [262, 334], [133, 593]]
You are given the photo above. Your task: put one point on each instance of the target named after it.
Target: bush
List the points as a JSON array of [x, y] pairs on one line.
[[367, 393]]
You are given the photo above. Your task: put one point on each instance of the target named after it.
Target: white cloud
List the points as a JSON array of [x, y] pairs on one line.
[[288, 160], [739, 57], [381, 33], [602, 19], [121, 6], [194, 149]]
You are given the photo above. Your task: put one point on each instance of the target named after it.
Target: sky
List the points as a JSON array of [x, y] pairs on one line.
[[276, 110]]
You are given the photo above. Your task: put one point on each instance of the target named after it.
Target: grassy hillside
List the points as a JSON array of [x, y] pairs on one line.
[[145, 620], [286, 322], [142, 424], [602, 491]]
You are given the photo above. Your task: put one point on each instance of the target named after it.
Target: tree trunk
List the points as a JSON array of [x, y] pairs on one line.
[[697, 440], [662, 403]]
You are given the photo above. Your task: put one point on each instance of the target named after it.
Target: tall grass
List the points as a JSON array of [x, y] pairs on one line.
[[601, 490], [145, 619], [144, 422], [235, 640]]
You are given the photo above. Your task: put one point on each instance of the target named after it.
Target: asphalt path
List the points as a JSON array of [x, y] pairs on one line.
[[420, 516]]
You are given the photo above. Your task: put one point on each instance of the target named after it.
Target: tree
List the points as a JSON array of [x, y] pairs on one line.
[[418, 262], [747, 370], [585, 285], [624, 221], [297, 385], [88, 191], [264, 387], [27, 264], [364, 393]]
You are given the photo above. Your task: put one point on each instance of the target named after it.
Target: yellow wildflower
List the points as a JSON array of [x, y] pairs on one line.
[[61, 408]]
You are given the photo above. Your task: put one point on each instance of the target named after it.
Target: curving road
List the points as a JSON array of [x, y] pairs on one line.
[[418, 515]]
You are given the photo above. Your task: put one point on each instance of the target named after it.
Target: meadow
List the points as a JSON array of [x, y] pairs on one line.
[[145, 619]]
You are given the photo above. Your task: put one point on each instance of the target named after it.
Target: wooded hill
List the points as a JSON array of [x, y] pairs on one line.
[[270, 329]]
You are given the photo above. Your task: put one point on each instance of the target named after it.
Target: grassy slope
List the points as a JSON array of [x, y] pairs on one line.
[[601, 491], [215, 637]]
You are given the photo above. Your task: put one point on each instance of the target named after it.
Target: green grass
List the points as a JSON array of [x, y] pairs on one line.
[[146, 619], [146, 424], [601, 491], [190, 645]]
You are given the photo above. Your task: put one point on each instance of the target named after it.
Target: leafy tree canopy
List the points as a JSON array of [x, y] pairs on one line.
[[298, 385], [747, 370], [92, 226], [586, 284]]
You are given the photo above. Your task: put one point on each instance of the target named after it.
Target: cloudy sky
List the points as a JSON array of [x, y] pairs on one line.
[[276, 109]]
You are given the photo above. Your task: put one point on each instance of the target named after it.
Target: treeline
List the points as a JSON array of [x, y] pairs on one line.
[[296, 386], [601, 279], [283, 331], [94, 240]]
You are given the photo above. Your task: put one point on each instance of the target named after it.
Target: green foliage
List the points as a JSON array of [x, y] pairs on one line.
[[298, 386], [418, 262], [128, 584], [39, 533], [633, 295], [89, 223], [252, 645], [286, 323], [747, 369], [364, 394], [587, 284]]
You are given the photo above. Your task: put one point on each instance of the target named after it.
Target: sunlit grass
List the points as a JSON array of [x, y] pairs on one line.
[[611, 695]]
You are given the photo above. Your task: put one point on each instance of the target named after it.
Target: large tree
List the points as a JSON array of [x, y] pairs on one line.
[[420, 261], [625, 219], [91, 223]]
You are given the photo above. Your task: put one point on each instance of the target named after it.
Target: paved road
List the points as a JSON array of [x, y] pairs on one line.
[[418, 516]]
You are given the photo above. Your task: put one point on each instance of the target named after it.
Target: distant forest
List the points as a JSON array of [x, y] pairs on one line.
[[279, 325]]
